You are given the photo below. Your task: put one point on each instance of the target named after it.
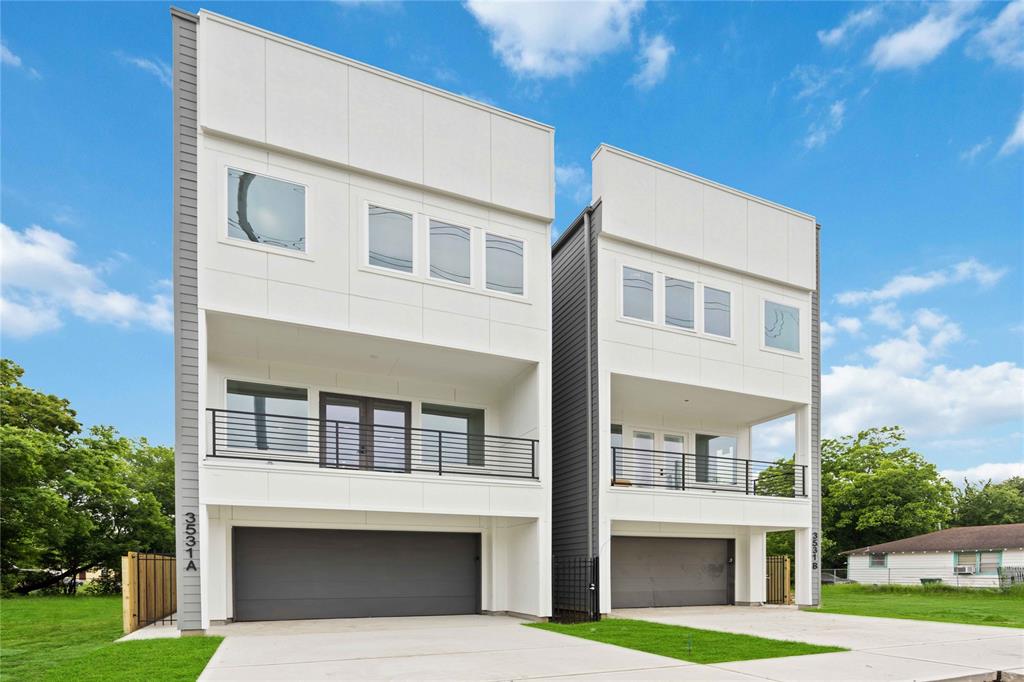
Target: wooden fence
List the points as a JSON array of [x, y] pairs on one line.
[[778, 580], [148, 589]]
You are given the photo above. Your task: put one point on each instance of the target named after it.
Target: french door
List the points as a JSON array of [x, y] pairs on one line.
[[357, 432]]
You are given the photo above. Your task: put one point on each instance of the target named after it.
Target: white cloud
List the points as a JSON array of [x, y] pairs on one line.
[[813, 79], [41, 278], [996, 471], [775, 439], [655, 54], [1003, 38], [971, 153], [851, 325], [8, 58], [571, 181], [820, 131], [828, 334], [903, 285], [551, 39], [924, 41], [1016, 139], [886, 315], [854, 23], [154, 67]]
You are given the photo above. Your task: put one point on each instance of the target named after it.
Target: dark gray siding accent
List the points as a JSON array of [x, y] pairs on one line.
[[816, 418], [573, 408], [297, 573], [184, 32]]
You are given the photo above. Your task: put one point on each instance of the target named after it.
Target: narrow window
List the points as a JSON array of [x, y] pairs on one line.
[[390, 239], [449, 252], [266, 211], [717, 312], [638, 294], [456, 432], [989, 562], [504, 264], [781, 327], [265, 417], [876, 560], [678, 303]]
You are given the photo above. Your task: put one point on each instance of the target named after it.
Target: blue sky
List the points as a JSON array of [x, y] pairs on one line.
[[899, 125]]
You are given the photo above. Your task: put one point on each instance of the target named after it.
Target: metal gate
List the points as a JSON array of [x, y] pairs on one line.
[[778, 580], [148, 589], [574, 593]]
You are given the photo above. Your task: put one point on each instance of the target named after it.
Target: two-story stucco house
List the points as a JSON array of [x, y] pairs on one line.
[[684, 314], [362, 338]]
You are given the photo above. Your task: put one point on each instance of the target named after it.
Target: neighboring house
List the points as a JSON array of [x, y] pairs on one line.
[[684, 314], [968, 557], [362, 338]]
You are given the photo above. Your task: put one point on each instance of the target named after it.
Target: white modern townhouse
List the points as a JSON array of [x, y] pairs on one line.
[[685, 313], [362, 338]]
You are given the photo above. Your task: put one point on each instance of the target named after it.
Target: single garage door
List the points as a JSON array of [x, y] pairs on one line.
[[289, 573], [671, 572]]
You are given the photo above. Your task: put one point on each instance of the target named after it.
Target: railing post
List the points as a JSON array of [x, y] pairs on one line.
[[533, 459], [337, 444], [440, 459], [213, 420], [746, 485], [803, 480], [615, 466]]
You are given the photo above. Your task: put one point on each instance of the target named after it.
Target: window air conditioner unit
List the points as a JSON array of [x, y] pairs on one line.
[[963, 570]]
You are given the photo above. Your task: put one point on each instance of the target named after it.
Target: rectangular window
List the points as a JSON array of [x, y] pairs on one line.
[[678, 303], [263, 210], [715, 459], [876, 560], [717, 312], [638, 294], [672, 464], [449, 252], [265, 417], [781, 327], [459, 434], [989, 562], [966, 559], [504, 264], [390, 239]]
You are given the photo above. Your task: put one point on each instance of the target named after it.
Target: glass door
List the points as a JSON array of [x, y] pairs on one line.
[[364, 433], [671, 466], [643, 458]]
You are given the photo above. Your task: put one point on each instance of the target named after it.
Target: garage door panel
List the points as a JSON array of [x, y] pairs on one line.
[[648, 572], [284, 573]]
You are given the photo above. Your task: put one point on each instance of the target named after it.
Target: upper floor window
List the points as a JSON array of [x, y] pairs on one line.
[[717, 312], [637, 294], [781, 327], [678, 303], [265, 417], [266, 211], [876, 560], [450, 252], [390, 239], [504, 264]]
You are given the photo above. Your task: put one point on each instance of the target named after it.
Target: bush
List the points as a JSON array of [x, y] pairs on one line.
[[107, 583]]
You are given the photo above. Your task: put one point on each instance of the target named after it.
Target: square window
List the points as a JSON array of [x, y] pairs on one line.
[[876, 560], [457, 431], [781, 327], [449, 252], [989, 562], [678, 303], [504, 264], [390, 239], [265, 417], [717, 312], [263, 210], [638, 294]]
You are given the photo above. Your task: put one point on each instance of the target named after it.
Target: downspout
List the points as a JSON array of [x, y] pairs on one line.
[[590, 403]]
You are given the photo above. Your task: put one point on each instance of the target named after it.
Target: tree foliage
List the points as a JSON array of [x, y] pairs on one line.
[[875, 489], [71, 501], [985, 504]]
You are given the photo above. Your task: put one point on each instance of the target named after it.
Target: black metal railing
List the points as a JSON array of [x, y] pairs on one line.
[[336, 444], [574, 589], [665, 470]]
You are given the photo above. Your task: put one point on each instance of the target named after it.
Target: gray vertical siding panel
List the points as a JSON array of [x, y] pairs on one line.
[[816, 415], [184, 29]]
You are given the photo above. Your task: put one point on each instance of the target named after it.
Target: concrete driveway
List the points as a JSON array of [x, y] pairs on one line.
[[881, 648]]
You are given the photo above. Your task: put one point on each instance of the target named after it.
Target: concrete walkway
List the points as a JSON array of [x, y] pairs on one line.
[[881, 648]]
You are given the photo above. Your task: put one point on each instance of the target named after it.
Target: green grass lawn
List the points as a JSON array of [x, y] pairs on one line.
[[72, 638], [931, 602], [686, 644]]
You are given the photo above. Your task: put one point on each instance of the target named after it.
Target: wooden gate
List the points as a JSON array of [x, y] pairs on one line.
[[148, 589], [778, 579]]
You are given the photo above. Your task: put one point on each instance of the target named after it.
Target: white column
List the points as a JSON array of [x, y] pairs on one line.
[[804, 574], [756, 566]]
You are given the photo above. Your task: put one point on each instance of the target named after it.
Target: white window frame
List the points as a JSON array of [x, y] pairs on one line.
[[698, 303], [526, 268], [416, 231], [427, 218], [224, 236], [788, 302], [731, 338], [657, 282]]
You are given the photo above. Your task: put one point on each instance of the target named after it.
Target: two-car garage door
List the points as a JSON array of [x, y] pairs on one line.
[[671, 572], [289, 573]]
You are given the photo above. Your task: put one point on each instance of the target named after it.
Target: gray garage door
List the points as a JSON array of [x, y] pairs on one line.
[[671, 572], [288, 573]]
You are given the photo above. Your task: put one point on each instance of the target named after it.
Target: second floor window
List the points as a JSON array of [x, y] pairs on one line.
[[449, 252], [266, 211], [637, 294], [781, 327], [266, 417], [504, 264], [390, 239], [678, 303], [717, 312]]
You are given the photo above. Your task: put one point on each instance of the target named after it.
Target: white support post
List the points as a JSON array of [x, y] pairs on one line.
[[804, 574], [757, 573]]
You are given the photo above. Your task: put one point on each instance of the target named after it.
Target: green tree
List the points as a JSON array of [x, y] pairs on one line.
[[875, 489], [987, 504]]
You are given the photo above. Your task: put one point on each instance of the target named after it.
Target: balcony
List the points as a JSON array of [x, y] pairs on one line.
[[663, 470], [345, 445]]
